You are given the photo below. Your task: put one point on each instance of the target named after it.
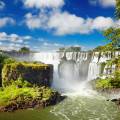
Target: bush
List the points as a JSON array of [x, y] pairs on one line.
[[3, 57], [103, 83], [20, 83], [13, 93], [9, 61], [111, 82]]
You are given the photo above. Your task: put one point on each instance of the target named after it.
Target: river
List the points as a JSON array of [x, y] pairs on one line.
[[72, 108], [71, 76]]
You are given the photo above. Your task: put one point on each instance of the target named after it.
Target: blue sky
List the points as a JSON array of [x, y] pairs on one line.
[[50, 24]]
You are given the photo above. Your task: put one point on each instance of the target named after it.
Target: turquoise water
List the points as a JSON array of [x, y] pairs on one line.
[[72, 108]]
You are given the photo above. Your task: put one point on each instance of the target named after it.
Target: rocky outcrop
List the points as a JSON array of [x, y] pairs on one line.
[[31, 103], [35, 73], [1, 66]]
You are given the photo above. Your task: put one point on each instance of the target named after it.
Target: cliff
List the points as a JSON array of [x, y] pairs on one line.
[[35, 73]]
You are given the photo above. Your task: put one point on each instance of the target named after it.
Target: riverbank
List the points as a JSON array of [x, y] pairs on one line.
[[14, 98]]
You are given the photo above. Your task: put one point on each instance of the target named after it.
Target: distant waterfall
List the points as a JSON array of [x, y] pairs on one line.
[[71, 69]]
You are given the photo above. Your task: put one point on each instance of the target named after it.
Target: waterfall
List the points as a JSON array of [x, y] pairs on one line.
[[73, 70]]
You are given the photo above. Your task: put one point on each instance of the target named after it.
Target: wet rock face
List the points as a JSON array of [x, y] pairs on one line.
[[39, 74], [116, 101]]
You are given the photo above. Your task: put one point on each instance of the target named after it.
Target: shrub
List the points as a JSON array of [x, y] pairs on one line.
[[111, 82], [103, 83], [3, 57], [9, 61], [20, 83], [12, 93]]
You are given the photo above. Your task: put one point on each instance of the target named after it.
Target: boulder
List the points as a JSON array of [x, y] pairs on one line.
[[35, 73]]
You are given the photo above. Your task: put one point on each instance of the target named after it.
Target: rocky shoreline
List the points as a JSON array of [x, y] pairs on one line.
[[31, 103], [111, 91]]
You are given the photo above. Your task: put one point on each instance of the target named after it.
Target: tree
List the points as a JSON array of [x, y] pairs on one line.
[[24, 50], [113, 34], [62, 49], [70, 49], [74, 49], [117, 13]]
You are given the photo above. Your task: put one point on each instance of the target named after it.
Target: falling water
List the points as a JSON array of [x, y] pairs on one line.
[[72, 70], [72, 73]]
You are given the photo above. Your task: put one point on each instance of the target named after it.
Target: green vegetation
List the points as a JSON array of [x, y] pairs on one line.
[[98, 49], [117, 13], [109, 82], [103, 83], [19, 91], [4, 59], [15, 70], [19, 84], [24, 50], [102, 67], [70, 49], [113, 35], [113, 81]]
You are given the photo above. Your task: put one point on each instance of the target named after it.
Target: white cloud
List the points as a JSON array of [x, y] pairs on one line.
[[36, 21], [65, 23], [47, 46], [11, 46], [102, 23], [107, 3], [62, 23], [2, 5], [104, 3], [44, 3], [13, 37], [13, 41], [6, 20]]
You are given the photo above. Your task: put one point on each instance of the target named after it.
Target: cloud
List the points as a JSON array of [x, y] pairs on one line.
[[13, 41], [2, 5], [102, 23], [13, 37], [36, 21], [74, 24], [103, 3], [107, 3], [63, 23], [6, 20], [43, 3], [11, 46]]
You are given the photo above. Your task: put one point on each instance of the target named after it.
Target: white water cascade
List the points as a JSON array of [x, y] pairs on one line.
[[72, 70]]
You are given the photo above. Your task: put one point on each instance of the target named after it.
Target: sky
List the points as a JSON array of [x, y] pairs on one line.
[[47, 25]]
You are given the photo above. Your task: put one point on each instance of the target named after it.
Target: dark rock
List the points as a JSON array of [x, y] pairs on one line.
[[39, 74]]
